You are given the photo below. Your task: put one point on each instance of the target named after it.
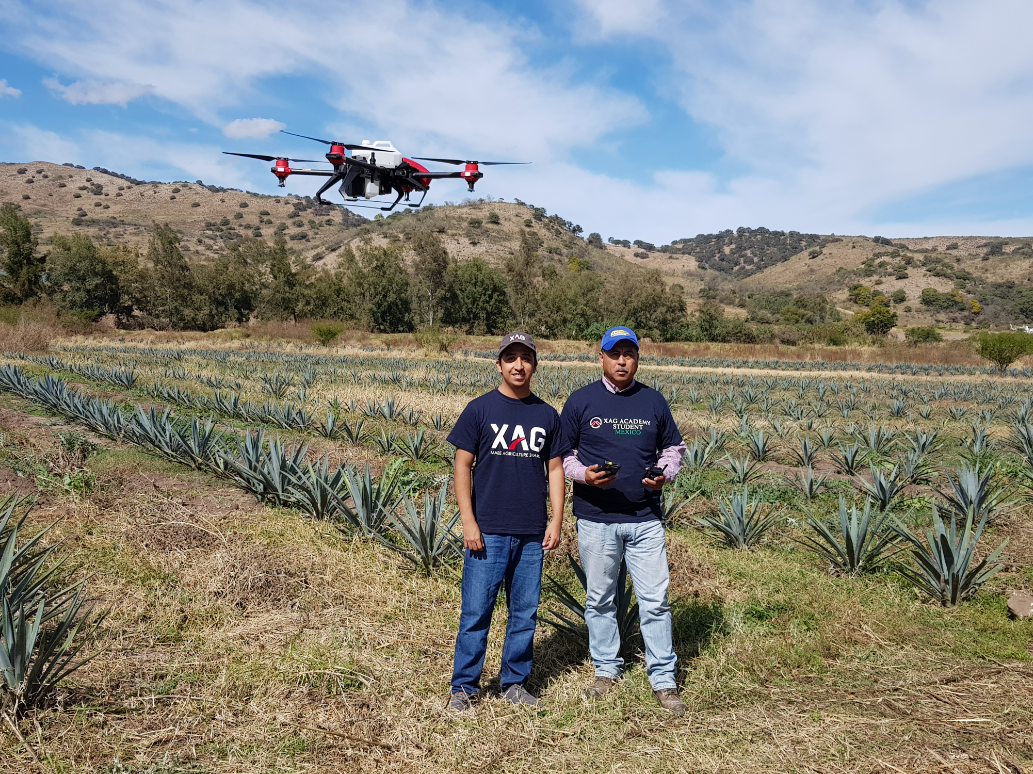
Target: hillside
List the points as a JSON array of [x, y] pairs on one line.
[[732, 266]]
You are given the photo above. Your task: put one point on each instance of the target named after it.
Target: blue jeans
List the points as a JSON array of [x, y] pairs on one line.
[[644, 548], [516, 561]]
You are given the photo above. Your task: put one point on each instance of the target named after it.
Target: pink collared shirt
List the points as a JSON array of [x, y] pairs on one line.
[[670, 457]]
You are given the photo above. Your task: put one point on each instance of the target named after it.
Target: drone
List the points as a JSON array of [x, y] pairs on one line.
[[373, 169]]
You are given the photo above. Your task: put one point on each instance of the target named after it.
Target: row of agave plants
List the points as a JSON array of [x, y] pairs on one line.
[[810, 396], [277, 474]]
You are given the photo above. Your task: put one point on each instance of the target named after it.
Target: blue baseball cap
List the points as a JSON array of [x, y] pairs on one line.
[[620, 333]]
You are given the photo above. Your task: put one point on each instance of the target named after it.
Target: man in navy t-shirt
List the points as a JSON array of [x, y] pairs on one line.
[[618, 421], [515, 440]]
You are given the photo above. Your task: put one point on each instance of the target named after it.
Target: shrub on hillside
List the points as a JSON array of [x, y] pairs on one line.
[[1003, 349], [922, 334]]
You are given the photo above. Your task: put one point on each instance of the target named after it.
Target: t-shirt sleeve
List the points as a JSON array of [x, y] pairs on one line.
[[570, 424], [669, 434], [558, 445], [466, 433]]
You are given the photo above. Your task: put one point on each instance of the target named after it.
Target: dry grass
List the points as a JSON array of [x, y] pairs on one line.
[[247, 639]]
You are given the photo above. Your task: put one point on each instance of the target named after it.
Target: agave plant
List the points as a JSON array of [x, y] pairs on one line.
[[943, 562], [329, 427], [849, 459], [318, 492], [973, 494], [430, 535], [806, 455], [673, 502], [353, 432], [808, 483], [439, 422], [923, 442], [885, 488], [697, 455], [276, 385], [42, 632], [1021, 440], [372, 500], [859, 545], [742, 470], [627, 610], [877, 439], [386, 440], [760, 447], [417, 446], [741, 523], [914, 469]]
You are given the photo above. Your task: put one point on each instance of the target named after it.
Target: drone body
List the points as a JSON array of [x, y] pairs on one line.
[[373, 169]]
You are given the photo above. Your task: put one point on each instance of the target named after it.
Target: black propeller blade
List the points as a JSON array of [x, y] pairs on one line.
[[461, 161], [328, 142], [274, 158]]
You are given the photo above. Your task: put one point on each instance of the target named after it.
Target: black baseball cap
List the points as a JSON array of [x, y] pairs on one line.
[[517, 338]]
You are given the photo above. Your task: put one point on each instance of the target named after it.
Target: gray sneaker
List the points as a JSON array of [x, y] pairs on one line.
[[516, 694], [461, 702]]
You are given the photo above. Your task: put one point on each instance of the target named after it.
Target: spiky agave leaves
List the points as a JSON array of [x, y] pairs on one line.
[[372, 500], [807, 482], [759, 447], [574, 627], [973, 493], [429, 534], [943, 562], [321, 493], [1021, 440], [42, 632], [850, 459], [739, 522], [742, 470], [884, 488], [859, 545], [806, 454]]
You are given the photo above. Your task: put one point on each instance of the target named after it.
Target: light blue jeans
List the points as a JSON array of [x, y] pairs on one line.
[[644, 548]]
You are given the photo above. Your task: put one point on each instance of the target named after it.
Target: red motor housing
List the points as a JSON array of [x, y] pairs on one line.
[[282, 171], [336, 155], [471, 175]]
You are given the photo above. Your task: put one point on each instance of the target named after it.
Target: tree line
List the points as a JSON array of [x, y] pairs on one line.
[[387, 288]]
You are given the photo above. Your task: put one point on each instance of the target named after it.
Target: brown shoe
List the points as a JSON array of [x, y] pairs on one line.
[[668, 698], [599, 687]]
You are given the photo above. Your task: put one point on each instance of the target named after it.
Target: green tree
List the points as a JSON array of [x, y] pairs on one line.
[[281, 296], [476, 299], [1003, 349], [878, 320], [430, 266], [570, 304], [383, 287], [523, 278], [21, 263], [899, 297], [710, 317], [172, 282], [227, 289], [645, 302], [81, 278]]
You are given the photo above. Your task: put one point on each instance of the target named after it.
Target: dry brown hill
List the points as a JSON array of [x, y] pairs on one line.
[[63, 199]]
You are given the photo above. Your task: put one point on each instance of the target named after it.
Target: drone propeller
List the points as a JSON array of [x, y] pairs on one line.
[[327, 142], [274, 158], [462, 161]]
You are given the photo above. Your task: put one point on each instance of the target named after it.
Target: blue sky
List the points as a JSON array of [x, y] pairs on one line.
[[649, 120]]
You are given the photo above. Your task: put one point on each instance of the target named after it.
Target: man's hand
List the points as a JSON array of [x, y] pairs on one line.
[[552, 536], [472, 538], [601, 479], [656, 484]]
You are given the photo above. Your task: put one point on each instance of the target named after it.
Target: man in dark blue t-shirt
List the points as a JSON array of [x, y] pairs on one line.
[[515, 440], [620, 422]]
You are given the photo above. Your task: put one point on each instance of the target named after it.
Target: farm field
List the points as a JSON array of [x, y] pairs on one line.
[[262, 619]]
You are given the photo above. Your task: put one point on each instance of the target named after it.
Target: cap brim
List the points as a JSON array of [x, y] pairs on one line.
[[615, 342]]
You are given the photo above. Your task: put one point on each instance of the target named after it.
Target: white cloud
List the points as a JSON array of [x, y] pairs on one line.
[[8, 91], [95, 92], [29, 142], [456, 85], [837, 109], [244, 128]]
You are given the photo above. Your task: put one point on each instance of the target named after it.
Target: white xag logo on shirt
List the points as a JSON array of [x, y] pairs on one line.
[[535, 442]]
